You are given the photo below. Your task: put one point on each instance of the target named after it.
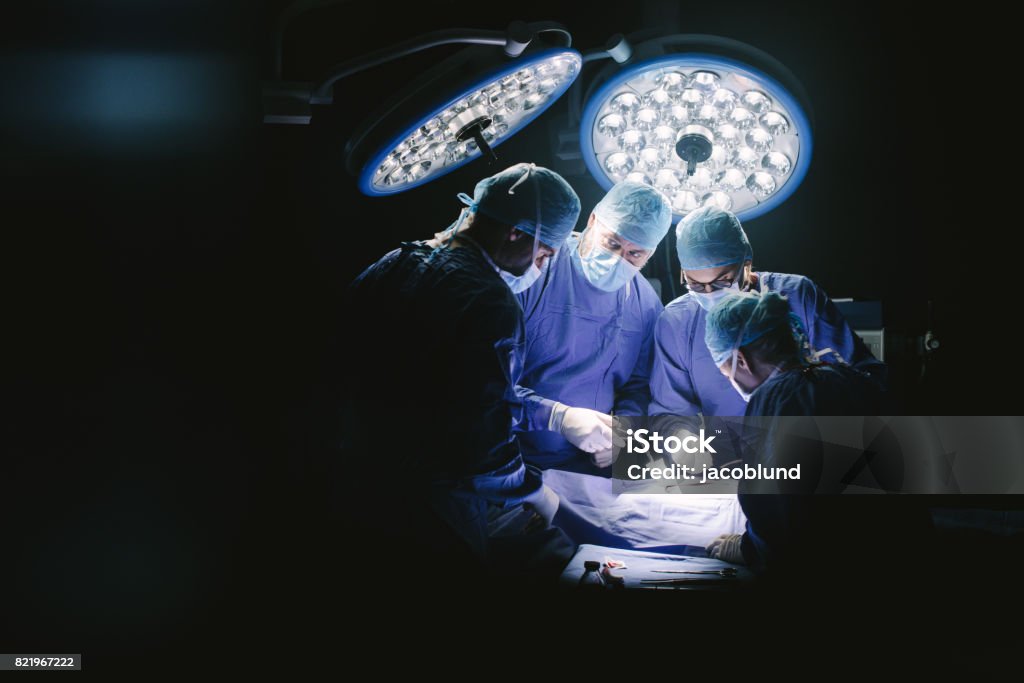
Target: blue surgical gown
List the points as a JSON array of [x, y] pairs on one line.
[[684, 379], [586, 348]]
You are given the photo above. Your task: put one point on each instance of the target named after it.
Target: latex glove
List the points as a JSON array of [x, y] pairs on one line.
[[726, 548], [587, 430], [603, 458]]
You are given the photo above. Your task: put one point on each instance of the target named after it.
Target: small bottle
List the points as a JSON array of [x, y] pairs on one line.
[[591, 575]]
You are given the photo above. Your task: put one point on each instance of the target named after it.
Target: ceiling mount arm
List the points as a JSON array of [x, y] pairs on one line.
[[290, 102], [323, 94], [514, 40]]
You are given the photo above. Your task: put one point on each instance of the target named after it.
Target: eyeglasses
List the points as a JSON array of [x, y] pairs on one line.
[[724, 282]]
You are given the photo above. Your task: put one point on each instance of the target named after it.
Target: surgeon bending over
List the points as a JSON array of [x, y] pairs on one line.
[[759, 346], [438, 337]]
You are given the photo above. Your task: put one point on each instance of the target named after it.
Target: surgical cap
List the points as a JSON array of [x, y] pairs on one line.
[[709, 238], [742, 318], [533, 199], [636, 212]]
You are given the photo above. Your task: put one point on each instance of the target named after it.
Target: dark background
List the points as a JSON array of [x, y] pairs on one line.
[[175, 271]]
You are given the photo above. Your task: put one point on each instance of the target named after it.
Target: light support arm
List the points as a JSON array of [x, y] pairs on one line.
[[290, 102], [323, 93]]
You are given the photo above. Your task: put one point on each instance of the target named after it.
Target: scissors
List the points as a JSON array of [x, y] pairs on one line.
[[728, 571]]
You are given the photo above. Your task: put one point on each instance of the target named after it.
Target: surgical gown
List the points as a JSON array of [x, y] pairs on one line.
[[586, 348], [436, 344], [809, 523], [686, 382]]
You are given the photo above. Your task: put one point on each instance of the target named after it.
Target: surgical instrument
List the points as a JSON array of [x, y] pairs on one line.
[[727, 571]]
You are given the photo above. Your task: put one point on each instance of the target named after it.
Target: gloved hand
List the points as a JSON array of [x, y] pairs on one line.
[[585, 429], [603, 458], [726, 548]]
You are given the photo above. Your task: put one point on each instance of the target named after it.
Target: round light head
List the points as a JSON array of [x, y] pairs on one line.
[[748, 132], [496, 106]]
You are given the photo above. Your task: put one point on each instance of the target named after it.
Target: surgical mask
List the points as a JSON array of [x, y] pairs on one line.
[[739, 390], [603, 269], [732, 379], [520, 283], [517, 283], [707, 300]]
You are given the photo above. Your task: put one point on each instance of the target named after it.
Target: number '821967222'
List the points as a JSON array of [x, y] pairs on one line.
[[44, 662]]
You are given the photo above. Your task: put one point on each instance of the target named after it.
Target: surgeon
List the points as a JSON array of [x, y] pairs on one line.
[[716, 259], [759, 346], [589, 333], [437, 339]]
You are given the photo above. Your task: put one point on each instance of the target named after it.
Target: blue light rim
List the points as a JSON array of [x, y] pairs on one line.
[[703, 60], [366, 175]]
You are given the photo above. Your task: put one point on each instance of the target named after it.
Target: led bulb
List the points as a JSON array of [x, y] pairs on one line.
[[759, 140], [756, 101], [731, 179], [651, 159], [625, 104], [646, 119], [718, 199], [707, 115], [685, 201], [416, 171], [657, 99], [668, 181], [436, 151], [742, 118], [632, 141], [761, 184], [663, 136], [776, 163], [691, 100], [705, 81], [745, 159], [676, 116], [724, 100], [728, 136], [612, 125], [672, 81], [775, 123], [701, 179], [532, 101], [619, 164]]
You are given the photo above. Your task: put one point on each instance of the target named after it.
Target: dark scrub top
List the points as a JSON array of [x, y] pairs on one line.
[[792, 532]]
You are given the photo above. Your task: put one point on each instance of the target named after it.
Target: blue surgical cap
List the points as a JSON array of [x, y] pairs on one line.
[[636, 212], [742, 318], [709, 238], [531, 198]]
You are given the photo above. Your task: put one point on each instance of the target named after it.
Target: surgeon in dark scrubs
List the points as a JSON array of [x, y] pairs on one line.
[[761, 348], [437, 335]]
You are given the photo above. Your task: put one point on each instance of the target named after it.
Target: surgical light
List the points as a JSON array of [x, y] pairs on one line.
[[449, 114], [705, 120], [468, 125]]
